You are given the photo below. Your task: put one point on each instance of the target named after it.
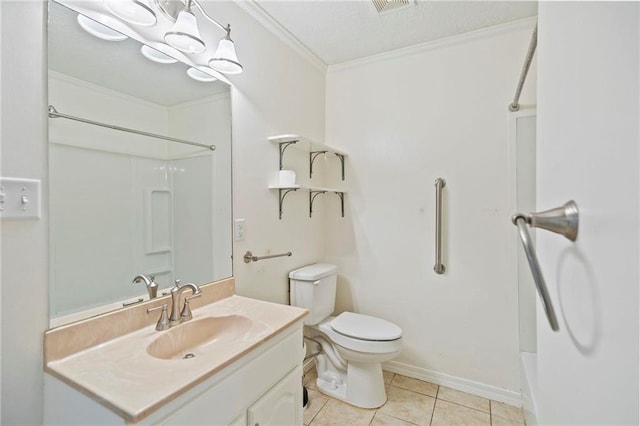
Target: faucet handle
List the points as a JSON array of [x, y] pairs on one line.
[[177, 285], [152, 288], [163, 321], [186, 314]]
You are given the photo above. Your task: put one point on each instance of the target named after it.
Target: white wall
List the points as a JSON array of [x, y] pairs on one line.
[[588, 151], [279, 92], [24, 243], [406, 119]]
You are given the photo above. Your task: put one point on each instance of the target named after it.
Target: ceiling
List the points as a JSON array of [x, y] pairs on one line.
[[335, 31], [340, 31]]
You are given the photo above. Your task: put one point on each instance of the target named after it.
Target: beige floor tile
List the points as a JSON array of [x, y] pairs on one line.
[[309, 379], [448, 414], [506, 411], [381, 419], [415, 385], [316, 402], [499, 421], [338, 413], [463, 398], [407, 405], [387, 377]]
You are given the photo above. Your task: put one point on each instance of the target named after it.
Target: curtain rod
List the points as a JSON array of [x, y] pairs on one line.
[[515, 106], [53, 113]]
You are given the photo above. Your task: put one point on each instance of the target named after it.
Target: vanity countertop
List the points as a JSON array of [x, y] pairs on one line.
[[120, 373]]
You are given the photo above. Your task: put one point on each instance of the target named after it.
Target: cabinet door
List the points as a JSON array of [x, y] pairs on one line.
[[281, 405]]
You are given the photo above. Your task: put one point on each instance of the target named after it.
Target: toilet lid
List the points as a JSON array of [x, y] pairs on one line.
[[364, 327]]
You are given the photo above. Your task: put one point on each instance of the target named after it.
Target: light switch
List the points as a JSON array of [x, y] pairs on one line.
[[19, 198], [238, 231]]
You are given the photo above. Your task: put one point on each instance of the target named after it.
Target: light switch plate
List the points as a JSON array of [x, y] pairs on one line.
[[238, 229], [20, 198]]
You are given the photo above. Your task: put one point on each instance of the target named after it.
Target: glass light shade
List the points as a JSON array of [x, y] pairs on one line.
[[157, 56], [198, 75], [135, 12], [99, 30], [184, 35], [225, 59]]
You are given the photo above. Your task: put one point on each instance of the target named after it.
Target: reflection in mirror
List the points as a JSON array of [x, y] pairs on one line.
[[122, 204]]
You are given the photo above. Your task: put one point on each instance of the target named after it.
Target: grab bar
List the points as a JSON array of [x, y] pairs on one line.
[[439, 266], [249, 257], [562, 220]]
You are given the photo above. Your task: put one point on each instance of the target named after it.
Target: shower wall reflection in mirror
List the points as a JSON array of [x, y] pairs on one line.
[[122, 204]]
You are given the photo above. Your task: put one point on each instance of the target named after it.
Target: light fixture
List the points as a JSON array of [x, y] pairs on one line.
[[173, 30], [225, 59], [156, 55], [184, 35], [199, 75], [99, 30], [135, 12]]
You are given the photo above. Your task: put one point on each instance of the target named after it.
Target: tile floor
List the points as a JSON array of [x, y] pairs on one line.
[[410, 402]]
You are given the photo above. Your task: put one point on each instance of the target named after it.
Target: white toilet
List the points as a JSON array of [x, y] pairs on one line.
[[353, 345]]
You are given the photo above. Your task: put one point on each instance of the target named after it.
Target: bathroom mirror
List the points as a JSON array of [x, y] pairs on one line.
[[123, 204]]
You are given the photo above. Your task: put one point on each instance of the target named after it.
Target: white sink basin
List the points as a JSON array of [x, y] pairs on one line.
[[196, 336]]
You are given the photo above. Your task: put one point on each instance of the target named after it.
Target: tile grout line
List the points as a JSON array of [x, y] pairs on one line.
[[466, 406], [490, 414], [397, 418], [419, 393], [435, 400]]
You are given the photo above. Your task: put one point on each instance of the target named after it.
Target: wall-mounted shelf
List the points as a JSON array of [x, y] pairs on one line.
[[312, 147], [313, 193]]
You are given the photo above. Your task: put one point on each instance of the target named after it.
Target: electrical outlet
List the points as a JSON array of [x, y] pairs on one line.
[[238, 229]]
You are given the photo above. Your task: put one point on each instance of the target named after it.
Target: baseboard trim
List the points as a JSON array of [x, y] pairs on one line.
[[457, 383]]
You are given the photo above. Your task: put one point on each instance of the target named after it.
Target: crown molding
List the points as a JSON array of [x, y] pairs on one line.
[[256, 12], [521, 24]]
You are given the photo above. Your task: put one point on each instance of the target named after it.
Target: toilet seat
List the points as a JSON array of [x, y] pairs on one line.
[[365, 327], [357, 344]]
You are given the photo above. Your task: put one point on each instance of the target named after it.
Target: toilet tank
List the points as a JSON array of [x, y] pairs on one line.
[[314, 287]]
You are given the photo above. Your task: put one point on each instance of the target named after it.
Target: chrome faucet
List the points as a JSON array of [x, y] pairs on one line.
[[152, 287], [176, 292]]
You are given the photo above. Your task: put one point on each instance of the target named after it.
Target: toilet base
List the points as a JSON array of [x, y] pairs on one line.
[[363, 385]]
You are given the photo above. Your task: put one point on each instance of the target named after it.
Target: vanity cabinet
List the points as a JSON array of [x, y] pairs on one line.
[[281, 405], [262, 387]]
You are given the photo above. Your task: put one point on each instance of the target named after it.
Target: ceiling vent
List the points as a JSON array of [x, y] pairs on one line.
[[383, 6]]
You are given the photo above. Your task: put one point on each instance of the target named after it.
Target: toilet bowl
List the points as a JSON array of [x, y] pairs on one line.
[[352, 346]]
